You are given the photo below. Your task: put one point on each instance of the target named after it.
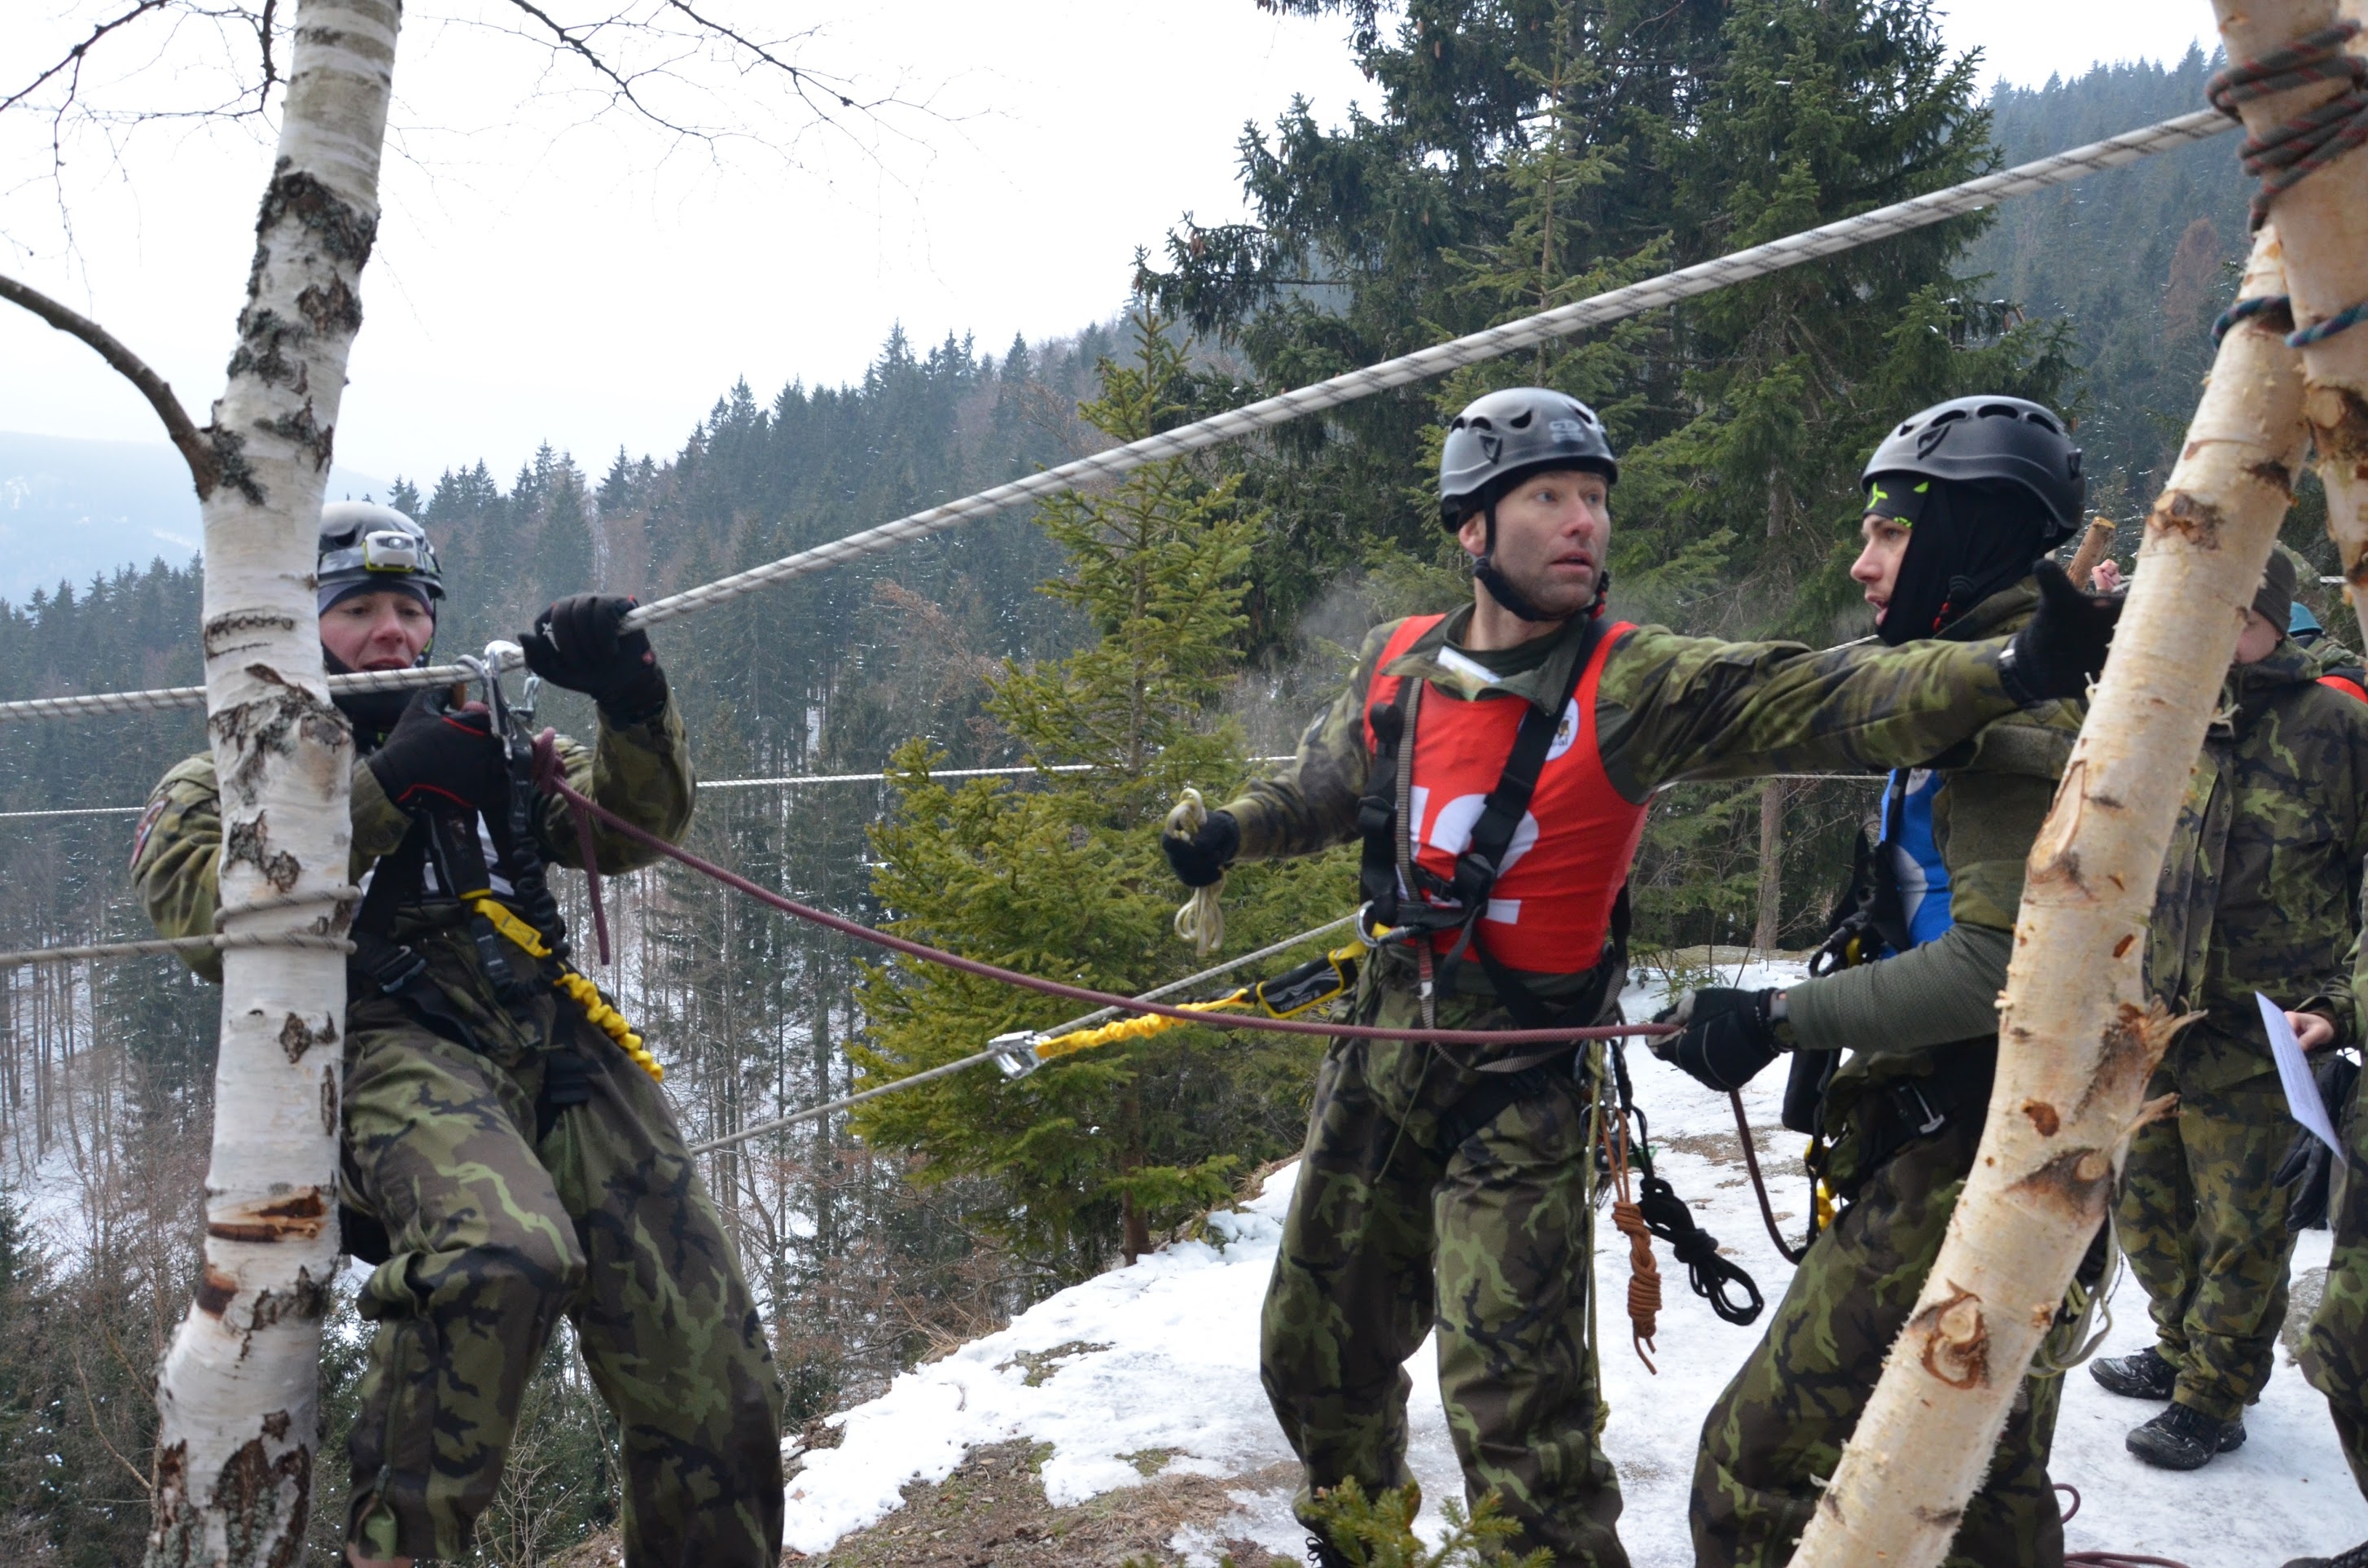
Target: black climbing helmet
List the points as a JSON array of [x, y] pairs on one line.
[[366, 548], [2007, 440], [1507, 436]]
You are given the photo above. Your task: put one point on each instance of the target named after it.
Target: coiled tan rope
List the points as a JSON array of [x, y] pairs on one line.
[[1201, 920]]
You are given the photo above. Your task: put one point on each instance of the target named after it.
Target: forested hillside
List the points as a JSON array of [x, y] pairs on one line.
[[1520, 155]]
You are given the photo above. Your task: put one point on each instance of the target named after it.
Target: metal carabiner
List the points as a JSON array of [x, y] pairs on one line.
[[1015, 1053]]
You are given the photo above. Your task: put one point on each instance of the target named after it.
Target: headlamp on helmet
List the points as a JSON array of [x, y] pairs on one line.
[[366, 548]]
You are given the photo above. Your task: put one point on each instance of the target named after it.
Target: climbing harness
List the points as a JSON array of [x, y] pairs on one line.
[[517, 933], [1478, 838]]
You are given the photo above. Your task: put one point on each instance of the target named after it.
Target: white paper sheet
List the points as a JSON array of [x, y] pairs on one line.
[[2294, 1072]]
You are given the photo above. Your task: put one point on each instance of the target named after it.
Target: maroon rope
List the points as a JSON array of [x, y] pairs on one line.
[[560, 787], [2107, 1559], [546, 767], [1785, 1249]]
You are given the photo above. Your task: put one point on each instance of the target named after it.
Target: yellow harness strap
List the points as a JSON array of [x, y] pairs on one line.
[[586, 995]]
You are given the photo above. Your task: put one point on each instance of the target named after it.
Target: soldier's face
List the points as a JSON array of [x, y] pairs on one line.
[[2258, 640], [1552, 530], [377, 632], [1876, 570]]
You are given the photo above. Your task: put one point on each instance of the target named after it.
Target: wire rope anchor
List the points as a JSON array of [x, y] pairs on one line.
[[1015, 1053]]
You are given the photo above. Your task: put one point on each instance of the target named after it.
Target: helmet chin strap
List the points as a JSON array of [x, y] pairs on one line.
[[1516, 602]]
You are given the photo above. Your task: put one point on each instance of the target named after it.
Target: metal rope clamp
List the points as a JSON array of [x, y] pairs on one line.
[[1015, 1053]]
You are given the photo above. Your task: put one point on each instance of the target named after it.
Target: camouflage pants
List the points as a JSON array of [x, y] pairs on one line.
[[1389, 1234], [1777, 1432], [494, 1235], [2335, 1351], [2205, 1234]]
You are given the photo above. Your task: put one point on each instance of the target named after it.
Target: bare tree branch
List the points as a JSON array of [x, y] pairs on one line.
[[204, 471], [71, 62]]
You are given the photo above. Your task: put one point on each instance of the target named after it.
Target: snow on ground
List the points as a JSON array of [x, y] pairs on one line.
[[1163, 1356]]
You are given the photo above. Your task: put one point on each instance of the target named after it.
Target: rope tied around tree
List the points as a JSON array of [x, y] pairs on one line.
[[2291, 151]]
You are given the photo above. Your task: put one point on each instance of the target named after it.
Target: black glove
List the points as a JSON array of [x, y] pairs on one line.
[[1202, 859], [575, 643], [2060, 650], [2309, 1165], [438, 760], [1725, 1038]]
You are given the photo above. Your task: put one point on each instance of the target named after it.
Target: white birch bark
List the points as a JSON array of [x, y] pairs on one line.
[[2329, 243], [2078, 1036], [238, 1386]]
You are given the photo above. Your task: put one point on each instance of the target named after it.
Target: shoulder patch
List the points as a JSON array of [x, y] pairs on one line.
[[147, 826]]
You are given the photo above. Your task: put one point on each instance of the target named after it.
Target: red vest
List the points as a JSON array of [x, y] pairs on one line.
[[2345, 685], [1551, 908]]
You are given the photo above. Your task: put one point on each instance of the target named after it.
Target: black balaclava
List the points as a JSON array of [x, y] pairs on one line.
[[1965, 543], [373, 713]]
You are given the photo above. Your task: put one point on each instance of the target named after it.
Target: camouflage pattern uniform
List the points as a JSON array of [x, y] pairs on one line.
[[1902, 1117], [2259, 897], [502, 1213], [1398, 1224], [2335, 1348]]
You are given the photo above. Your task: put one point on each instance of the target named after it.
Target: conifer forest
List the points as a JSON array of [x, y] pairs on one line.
[[1160, 631]]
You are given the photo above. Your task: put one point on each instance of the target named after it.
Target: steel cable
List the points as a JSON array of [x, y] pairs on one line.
[[1616, 304]]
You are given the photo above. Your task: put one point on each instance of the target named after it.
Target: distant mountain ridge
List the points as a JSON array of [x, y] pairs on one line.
[[73, 509]]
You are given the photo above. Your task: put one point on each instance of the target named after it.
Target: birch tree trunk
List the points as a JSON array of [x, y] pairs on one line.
[[2328, 243], [2077, 1037], [239, 1387]]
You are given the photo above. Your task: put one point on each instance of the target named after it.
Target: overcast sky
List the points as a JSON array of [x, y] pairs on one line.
[[543, 271]]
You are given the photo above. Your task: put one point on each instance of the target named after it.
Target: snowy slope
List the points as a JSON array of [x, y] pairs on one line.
[[1163, 1355]]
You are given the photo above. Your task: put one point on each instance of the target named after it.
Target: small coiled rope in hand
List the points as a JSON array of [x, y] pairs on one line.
[[1201, 920]]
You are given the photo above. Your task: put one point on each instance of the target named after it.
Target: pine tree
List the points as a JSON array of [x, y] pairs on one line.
[[1065, 878]]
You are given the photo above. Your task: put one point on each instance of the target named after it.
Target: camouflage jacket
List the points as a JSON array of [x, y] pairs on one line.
[[640, 771], [1668, 709], [1912, 1016], [2260, 890]]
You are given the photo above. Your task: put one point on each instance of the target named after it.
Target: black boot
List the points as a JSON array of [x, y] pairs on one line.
[[1322, 1553], [2185, 1439], [2142, 1376], [2355, 1558]]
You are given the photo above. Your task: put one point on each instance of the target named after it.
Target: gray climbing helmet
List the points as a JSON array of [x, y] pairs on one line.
[[1506, 435], [1999, 440], [366, 548]]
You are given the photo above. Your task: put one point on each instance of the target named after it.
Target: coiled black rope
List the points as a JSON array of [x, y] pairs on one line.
[[2288, 154], [1712, 1275]]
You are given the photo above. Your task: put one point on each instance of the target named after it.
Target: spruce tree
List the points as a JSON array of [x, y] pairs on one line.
[[1064, 877]]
